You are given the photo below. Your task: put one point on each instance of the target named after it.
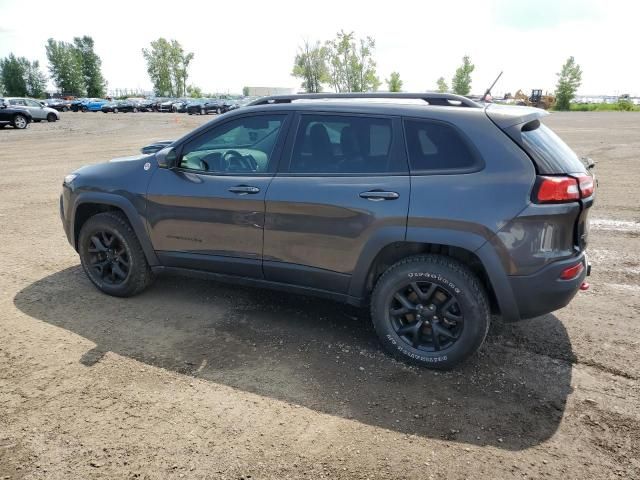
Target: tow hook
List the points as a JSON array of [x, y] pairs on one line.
[[584, 286]]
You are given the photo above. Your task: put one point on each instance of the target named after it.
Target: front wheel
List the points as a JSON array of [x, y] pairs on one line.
[[112, 257], [430, 310], [51, 117]]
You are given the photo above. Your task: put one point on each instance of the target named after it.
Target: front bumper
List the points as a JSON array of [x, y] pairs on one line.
[[65, 215], [544, 291]]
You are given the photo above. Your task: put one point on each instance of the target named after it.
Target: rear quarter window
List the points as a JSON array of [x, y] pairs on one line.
[[550, 154], [437, 147]]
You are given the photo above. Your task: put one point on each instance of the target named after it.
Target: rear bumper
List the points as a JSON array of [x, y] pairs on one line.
[[544, 291]]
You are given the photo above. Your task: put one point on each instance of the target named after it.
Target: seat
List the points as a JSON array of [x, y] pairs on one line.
[[352, 160], [321, 148]]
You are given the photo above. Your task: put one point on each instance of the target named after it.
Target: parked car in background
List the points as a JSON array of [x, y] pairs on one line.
[[120, 106], [204, 106], [37, 110], [180, 106], [145, 104], [166, 105], [15, 116], [76, 105], [58, 104], [93, 104]]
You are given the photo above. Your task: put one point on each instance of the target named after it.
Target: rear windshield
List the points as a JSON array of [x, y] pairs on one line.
[[548, 150]]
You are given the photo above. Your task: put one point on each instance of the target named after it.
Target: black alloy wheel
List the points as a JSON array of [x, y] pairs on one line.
[[426, 316], [109, 259]]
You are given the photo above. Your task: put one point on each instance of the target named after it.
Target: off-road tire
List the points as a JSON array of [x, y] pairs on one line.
[[139, 275], [448, 274]]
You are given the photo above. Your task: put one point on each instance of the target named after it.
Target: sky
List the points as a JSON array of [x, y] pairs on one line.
[[254, 42]]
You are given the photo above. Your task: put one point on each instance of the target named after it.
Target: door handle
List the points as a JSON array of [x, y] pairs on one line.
[[244, 189], [378, 195]]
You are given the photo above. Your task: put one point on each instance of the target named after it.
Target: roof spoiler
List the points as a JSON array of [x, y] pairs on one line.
[[505, 116], [440, 99]]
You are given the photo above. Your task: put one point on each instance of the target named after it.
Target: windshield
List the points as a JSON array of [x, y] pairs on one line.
[[548, 150]]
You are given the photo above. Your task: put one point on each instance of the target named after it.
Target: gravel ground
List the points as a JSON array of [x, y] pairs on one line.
[[195, 379]]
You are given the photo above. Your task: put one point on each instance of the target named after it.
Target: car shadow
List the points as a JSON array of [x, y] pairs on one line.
[[320, 355]]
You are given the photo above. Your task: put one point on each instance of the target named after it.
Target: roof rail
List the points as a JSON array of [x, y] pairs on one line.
[[441, 99]]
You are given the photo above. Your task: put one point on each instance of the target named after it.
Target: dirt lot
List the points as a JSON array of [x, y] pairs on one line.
[[195, 379]]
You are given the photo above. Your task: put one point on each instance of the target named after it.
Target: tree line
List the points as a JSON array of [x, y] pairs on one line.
[[345, 63]]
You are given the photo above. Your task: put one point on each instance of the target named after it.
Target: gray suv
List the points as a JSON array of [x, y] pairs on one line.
[[431, 209], [37, 109]]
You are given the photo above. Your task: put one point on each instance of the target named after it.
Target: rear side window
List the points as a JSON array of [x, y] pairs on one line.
[[548, 150], [435, 146], [336, 144]]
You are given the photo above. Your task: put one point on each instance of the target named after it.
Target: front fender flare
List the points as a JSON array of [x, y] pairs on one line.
[[130, 212]]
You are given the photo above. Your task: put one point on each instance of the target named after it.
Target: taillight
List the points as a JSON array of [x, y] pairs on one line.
[[585, 183], [556, 189], [563, 189], [570, 273]]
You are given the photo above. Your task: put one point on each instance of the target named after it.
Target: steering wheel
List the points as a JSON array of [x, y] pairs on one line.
[[236, 162]]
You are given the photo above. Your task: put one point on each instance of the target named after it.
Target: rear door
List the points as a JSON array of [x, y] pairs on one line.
[[208, 212], [343, 191]]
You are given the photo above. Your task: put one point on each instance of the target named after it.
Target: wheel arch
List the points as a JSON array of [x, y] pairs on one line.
[[91, 203], [470, 249]]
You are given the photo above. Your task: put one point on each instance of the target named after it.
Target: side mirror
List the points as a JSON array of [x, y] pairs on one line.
[[166, 157]]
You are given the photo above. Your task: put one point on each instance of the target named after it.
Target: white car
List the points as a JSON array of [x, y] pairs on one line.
[[37, 110]]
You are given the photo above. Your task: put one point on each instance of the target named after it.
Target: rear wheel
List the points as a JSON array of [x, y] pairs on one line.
[[112, 257], [51, 117], [20, 122], [430, 310], [84, 109]]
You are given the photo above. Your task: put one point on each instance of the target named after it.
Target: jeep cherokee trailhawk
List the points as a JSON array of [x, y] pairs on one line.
[[432, 209]]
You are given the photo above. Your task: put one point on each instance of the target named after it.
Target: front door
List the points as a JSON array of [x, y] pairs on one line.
[[344, 192], [36, 109], [207, 213]]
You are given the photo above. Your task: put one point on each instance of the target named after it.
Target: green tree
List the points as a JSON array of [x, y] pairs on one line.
[[22, 78], [442, 86], [180, 61], [461, 82], [245, 91], [351, 65], [310, 65], [167, 65], [394, 84], [569, 80], [65, 66], [91, 64], [194, 92]]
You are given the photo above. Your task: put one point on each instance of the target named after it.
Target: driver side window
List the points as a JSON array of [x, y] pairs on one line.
[[244, 145]]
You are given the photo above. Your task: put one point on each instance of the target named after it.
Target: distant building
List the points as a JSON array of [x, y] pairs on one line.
[[266, 91]]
